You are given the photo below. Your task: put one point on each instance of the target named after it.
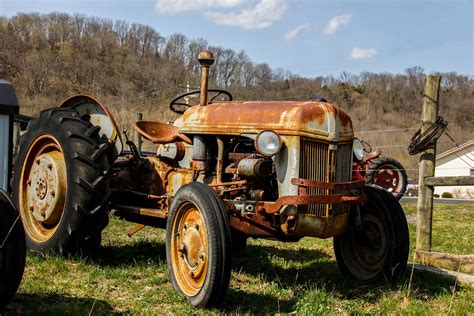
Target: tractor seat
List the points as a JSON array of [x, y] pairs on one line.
[[160, 133]]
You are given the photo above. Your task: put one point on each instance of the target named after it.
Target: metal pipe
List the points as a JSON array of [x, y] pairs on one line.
[[220, 159], [206, 59], [199, 148]]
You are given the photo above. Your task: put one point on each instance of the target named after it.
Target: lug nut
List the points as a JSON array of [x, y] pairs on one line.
[[50, 166], [182, 248], [38, 161], [53, 193], [202, 256]]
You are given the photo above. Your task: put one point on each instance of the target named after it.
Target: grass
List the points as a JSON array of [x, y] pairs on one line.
[[129, 276]]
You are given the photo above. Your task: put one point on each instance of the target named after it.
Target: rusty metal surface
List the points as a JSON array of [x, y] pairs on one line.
[[159, 133], [135, 229], [42, 188], [327, 163], [99, 116], [328, 185], [189, 249], [313, 119], [315, 226], [149, 212], [254, 226], [206, 59], [275, 207]]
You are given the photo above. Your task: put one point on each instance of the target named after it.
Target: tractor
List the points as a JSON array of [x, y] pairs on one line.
[[222, 172]]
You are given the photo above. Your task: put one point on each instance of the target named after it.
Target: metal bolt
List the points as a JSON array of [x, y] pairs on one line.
[[202, 256], [181, 248], [50, 166]]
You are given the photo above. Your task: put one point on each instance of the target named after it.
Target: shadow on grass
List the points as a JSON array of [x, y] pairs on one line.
[[302, 270], [237, 301], [315, 270], [56, 304], [139, 253]]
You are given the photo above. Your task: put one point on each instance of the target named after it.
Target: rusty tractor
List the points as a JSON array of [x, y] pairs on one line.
[[223, 171]]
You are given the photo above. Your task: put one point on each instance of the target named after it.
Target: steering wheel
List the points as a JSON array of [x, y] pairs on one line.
[[175, 104], [367, 147]]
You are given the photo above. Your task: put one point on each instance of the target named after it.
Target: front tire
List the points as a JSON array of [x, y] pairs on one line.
[[376, 244], [198, 245], [59, 186]]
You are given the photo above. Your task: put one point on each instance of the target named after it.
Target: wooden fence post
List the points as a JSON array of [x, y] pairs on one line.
[[138, 137], [427, 166]]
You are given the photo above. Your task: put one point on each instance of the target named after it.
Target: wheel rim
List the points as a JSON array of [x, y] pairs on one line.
[[189, 249], [389, 178], [42, 188], [366, 249]]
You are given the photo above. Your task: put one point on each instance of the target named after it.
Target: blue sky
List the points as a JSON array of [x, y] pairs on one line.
[[309, 38]]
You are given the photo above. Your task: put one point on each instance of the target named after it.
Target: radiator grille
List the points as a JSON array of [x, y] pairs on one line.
[[319, 162]]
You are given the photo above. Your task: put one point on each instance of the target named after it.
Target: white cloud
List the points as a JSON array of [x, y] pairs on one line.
[[291, 34], [176, 6], [263, 15], [336, 22], [363, 53]]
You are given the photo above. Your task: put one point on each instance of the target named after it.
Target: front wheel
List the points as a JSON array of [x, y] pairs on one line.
[[198, 247], [376, 242]]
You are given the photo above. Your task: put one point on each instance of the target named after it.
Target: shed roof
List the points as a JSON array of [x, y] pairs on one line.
[[455, 149]]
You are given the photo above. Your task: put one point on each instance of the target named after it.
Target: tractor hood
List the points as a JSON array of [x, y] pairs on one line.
[[310, 119]]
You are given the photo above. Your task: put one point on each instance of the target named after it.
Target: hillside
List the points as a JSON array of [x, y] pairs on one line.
[[133, 68]]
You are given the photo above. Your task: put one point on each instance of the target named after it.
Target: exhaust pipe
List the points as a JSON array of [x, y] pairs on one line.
[[206, 59]]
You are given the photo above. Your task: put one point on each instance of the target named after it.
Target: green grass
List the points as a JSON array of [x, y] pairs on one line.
[[130, 276]]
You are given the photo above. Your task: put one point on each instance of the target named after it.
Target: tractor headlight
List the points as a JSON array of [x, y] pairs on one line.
[[268, 143], [358, 149]]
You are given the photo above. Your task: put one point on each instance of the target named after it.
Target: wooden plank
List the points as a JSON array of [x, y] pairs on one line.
[[460, 263], [463, 278], [427, 166], [449, 181]]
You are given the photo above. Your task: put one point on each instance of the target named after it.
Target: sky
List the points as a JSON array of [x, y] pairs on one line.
[[307, 37]]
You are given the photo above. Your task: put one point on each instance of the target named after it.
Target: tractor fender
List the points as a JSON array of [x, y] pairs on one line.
[[99, 116]]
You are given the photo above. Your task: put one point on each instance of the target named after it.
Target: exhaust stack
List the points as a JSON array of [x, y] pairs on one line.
[[206, 59]]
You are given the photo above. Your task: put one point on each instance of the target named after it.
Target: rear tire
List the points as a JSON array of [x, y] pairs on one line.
[[379, 246], [389, 174], [13, 252], [59, 186], [198, 245]]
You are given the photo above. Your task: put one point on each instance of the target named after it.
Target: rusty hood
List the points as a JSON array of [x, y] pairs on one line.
[[311, 119]]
